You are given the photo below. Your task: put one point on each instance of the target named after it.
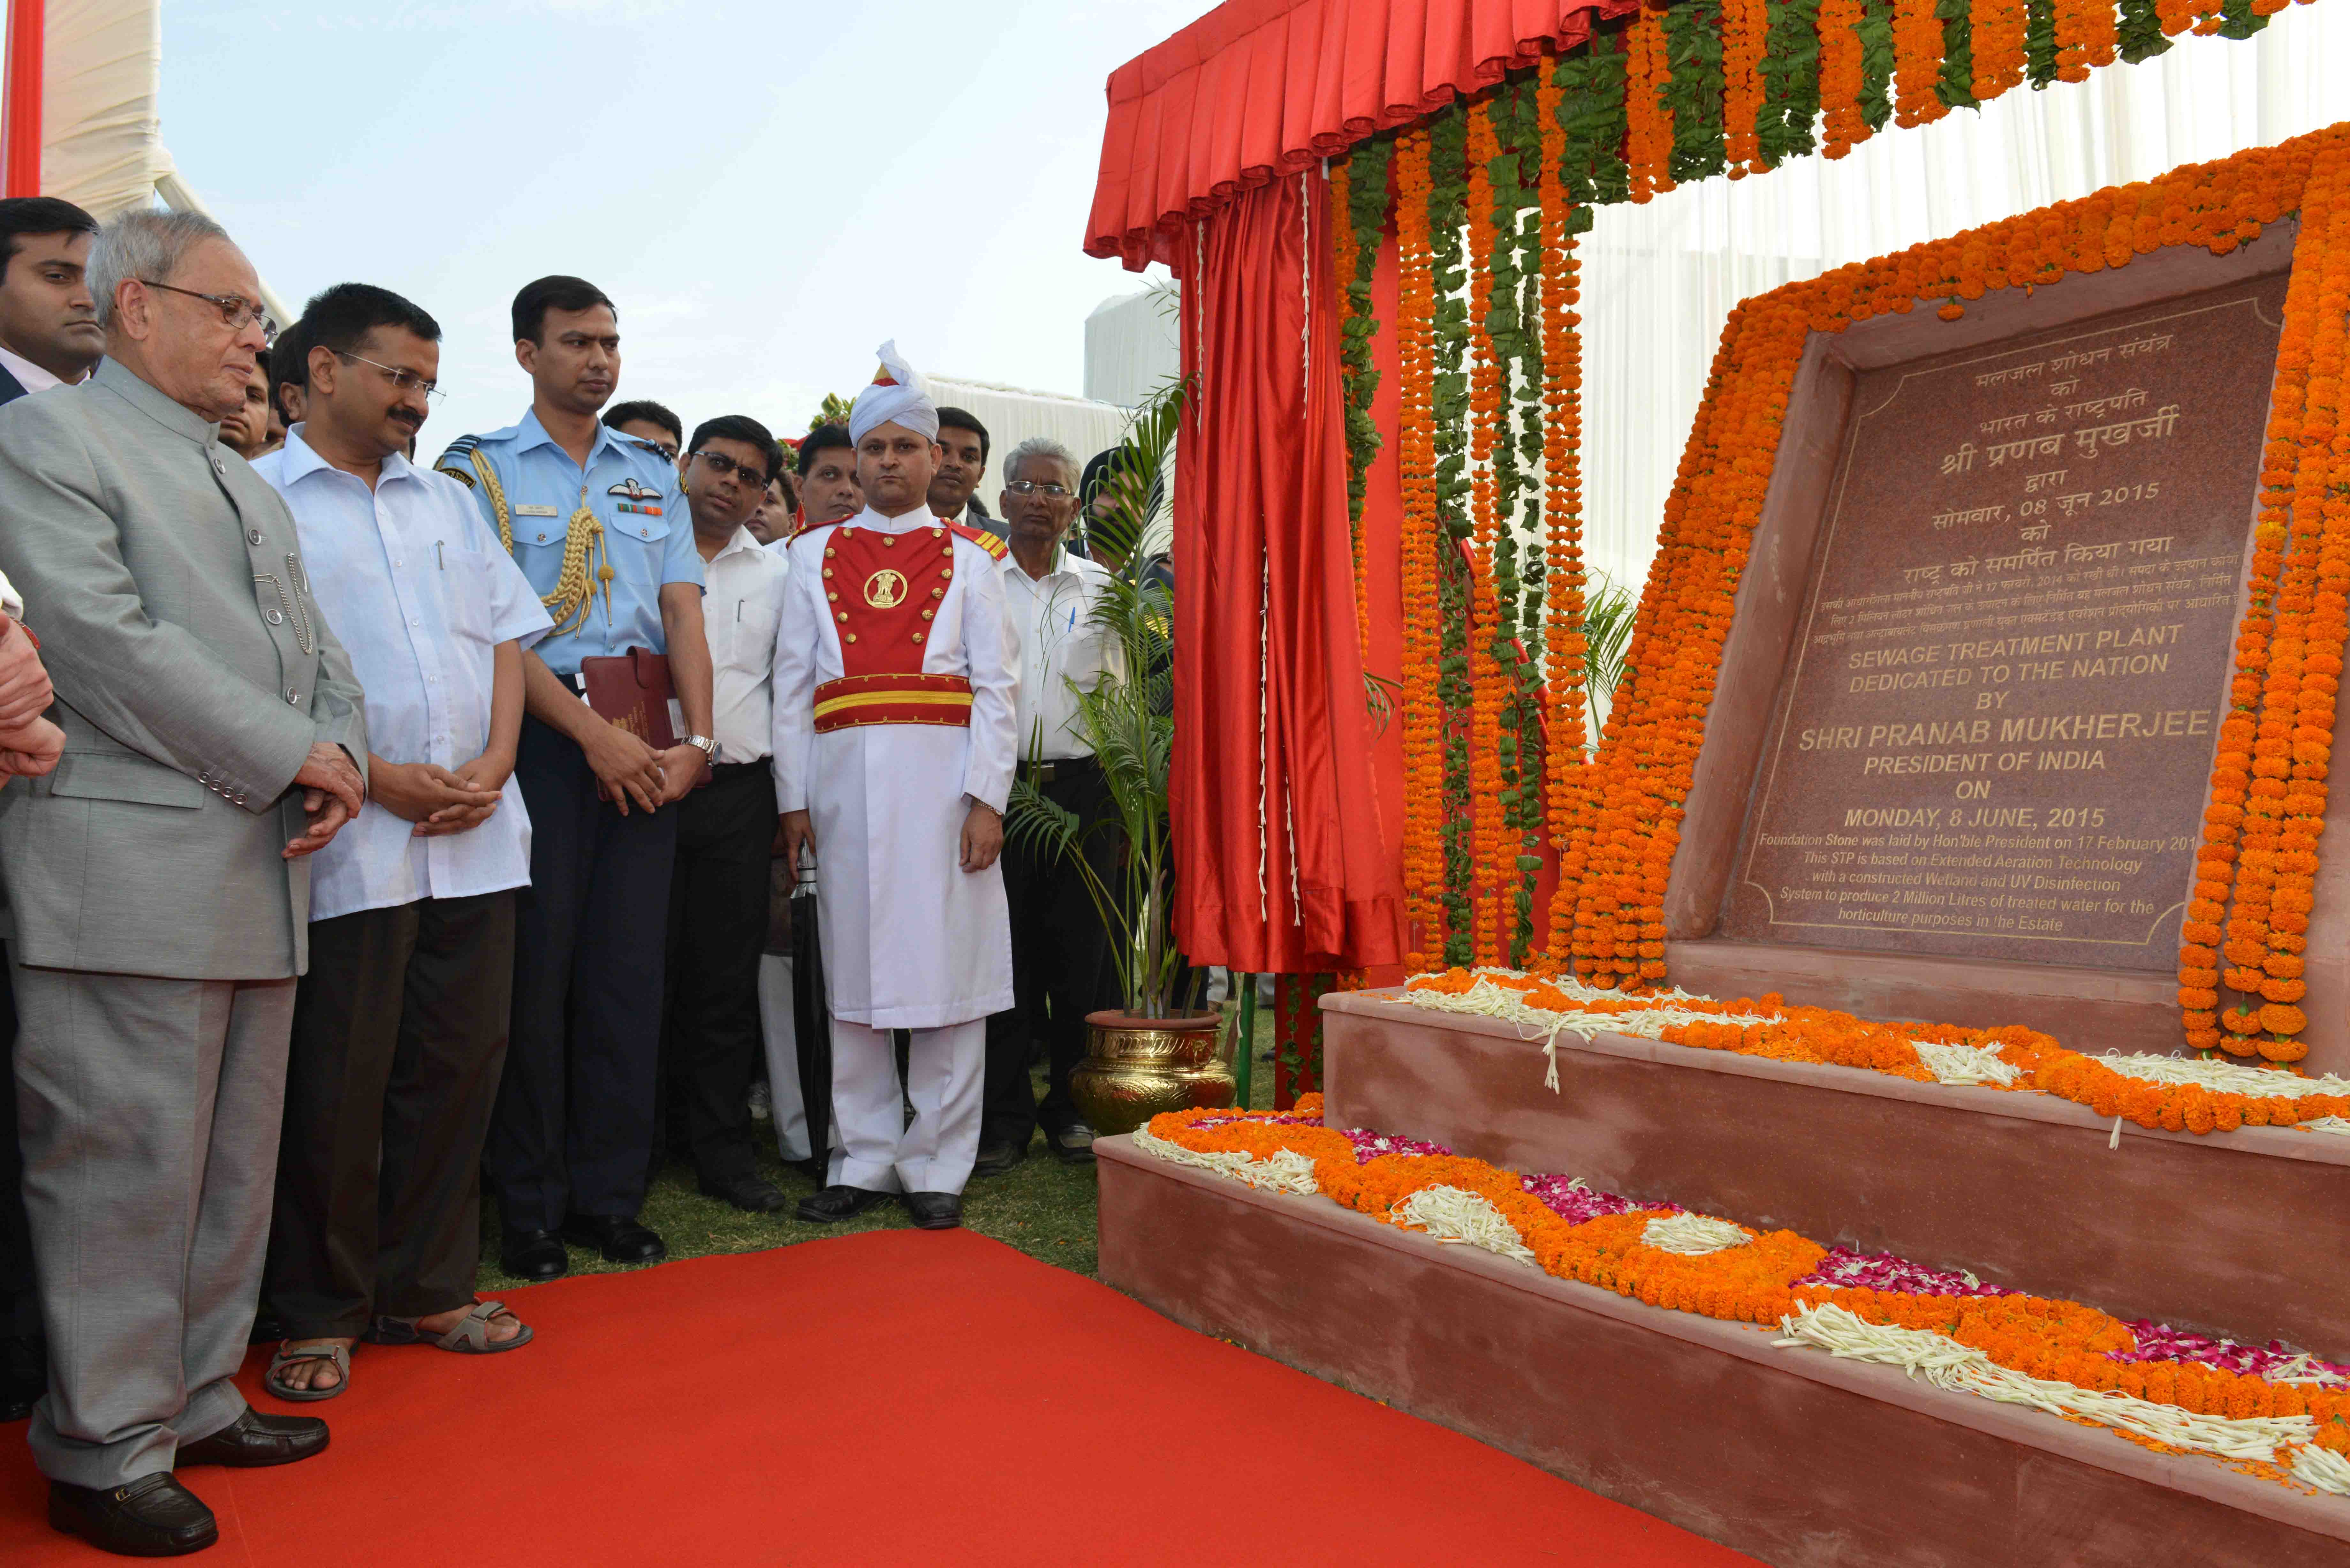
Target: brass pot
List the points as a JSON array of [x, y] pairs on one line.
[[1137, 1068]]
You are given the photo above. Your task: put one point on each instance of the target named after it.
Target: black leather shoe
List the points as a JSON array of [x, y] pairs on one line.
[[996, 1159], [748, 1193], [618, 1239], [534, 1255], [934, 1211], [253, 1440], [153, 1516], [1073, 1145], [834, 1204]]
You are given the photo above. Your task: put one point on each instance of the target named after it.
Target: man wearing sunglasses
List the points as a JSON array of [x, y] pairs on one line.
[[726, 830], [401, 1025], [160, 879]]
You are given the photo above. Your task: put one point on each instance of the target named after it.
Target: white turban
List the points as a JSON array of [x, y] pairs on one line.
[[896, 396]]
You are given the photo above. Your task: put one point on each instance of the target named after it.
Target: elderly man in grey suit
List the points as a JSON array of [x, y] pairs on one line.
[[213, 739]]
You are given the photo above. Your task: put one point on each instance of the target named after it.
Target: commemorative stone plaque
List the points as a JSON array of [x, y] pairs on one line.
[[1996, 724]]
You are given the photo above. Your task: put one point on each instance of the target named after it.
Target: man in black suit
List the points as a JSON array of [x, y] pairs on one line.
[[48, 335]]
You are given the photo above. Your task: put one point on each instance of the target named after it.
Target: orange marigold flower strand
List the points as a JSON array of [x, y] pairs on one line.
[[1423, 851]]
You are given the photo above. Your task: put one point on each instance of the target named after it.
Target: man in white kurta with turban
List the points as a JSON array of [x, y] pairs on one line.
[[894, 747]]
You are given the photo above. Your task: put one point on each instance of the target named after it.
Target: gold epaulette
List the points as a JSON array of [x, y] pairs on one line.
[[986, 541]]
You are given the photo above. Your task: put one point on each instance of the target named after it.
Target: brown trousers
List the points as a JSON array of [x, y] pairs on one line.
[[400, 1036]]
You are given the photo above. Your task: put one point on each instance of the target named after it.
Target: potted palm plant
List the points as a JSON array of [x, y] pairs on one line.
[[1157, 1051]]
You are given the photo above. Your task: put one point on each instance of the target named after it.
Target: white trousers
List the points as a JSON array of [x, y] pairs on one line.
[[779, 1028], [876, 1148]]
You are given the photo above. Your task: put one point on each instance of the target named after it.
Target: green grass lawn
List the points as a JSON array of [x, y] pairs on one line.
[[1042, 1206]]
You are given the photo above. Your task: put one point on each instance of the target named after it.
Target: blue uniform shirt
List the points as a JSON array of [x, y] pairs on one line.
[[633, 492]]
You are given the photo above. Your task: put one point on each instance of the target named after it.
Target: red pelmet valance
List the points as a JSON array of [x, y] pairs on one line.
[[1257, 89]]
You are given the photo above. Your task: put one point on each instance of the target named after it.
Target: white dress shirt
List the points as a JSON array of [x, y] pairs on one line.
[[742, 601], [29, 376], [419, 593], [1060, 642]]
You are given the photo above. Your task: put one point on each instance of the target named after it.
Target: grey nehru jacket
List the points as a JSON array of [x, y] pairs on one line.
[[194, 672]]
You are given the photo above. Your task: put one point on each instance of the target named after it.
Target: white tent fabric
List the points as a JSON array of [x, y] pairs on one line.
[[102, 137], [1131, 347], [1013, 415], [1659, 280], [102, 140]]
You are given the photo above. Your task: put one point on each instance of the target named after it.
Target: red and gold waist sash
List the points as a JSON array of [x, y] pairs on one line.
[[855, 699]]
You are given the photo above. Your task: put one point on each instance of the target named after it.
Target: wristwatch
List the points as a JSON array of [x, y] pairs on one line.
[[709, 747]]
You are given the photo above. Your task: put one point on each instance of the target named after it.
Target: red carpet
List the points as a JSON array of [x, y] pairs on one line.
[[887, 1398]]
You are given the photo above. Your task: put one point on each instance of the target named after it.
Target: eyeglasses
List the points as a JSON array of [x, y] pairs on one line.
[[1031, 487], [406, 380], [722, 465], [237, 313]]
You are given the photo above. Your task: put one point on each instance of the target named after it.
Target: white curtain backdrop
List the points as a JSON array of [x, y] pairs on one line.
[[1659, 280]]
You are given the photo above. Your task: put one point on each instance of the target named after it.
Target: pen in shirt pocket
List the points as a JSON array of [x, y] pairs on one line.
[[438, 560]]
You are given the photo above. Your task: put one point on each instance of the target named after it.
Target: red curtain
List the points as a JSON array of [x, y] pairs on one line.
[[1260, 88], [1278, 831]]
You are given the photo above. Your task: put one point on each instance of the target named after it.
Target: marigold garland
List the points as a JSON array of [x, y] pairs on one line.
[[1562, 503], [1842, 77], [1917, 63], [2255, 872], [1649, 120], [2086, 35], [1845, 1040], [1745, 31], [1423, 849], [1998, 28], [1761, 1281], [1489, 843]]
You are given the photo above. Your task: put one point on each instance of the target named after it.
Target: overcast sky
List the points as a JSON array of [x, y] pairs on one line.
[[767, 188]]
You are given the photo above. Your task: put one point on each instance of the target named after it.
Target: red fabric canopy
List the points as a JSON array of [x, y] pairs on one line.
[[1261, 88]]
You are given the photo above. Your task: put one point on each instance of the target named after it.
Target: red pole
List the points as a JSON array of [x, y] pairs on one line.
[[20, 162]]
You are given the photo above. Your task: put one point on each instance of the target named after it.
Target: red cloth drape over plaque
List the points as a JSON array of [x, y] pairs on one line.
[[1282, 864], [1257, 89]]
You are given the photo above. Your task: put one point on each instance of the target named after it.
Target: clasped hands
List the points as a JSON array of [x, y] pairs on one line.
[[627, 769], [30, 744]]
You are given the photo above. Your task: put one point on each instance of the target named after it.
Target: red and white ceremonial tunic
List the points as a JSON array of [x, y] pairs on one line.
[[895, 675]]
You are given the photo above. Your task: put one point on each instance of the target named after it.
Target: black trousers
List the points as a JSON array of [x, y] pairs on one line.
[[399, 1032], [574, 1124], [1059, 954], [717, 929]]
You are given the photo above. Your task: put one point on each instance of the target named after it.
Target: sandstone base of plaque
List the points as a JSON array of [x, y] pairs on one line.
[[1805, 1461]]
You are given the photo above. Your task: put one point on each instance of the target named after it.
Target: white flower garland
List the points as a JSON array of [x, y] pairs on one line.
[[1948, 1063], [1694, 1235], [1456, 1215], [1962, 1369]]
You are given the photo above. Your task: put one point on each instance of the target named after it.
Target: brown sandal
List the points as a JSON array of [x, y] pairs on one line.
[[285, 1356]]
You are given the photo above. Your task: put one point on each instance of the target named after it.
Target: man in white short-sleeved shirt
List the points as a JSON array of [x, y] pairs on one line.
[[726, 829], [400, 1027]]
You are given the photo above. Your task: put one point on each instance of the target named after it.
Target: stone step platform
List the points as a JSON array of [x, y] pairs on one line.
[[1800, 1459], [2242, 1234]]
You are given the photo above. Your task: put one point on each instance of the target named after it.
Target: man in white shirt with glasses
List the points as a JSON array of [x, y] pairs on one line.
[[726, 829], [1059, 950], [400, 1026]]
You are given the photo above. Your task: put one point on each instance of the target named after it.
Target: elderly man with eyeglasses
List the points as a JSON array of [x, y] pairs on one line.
[[161, 879]]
